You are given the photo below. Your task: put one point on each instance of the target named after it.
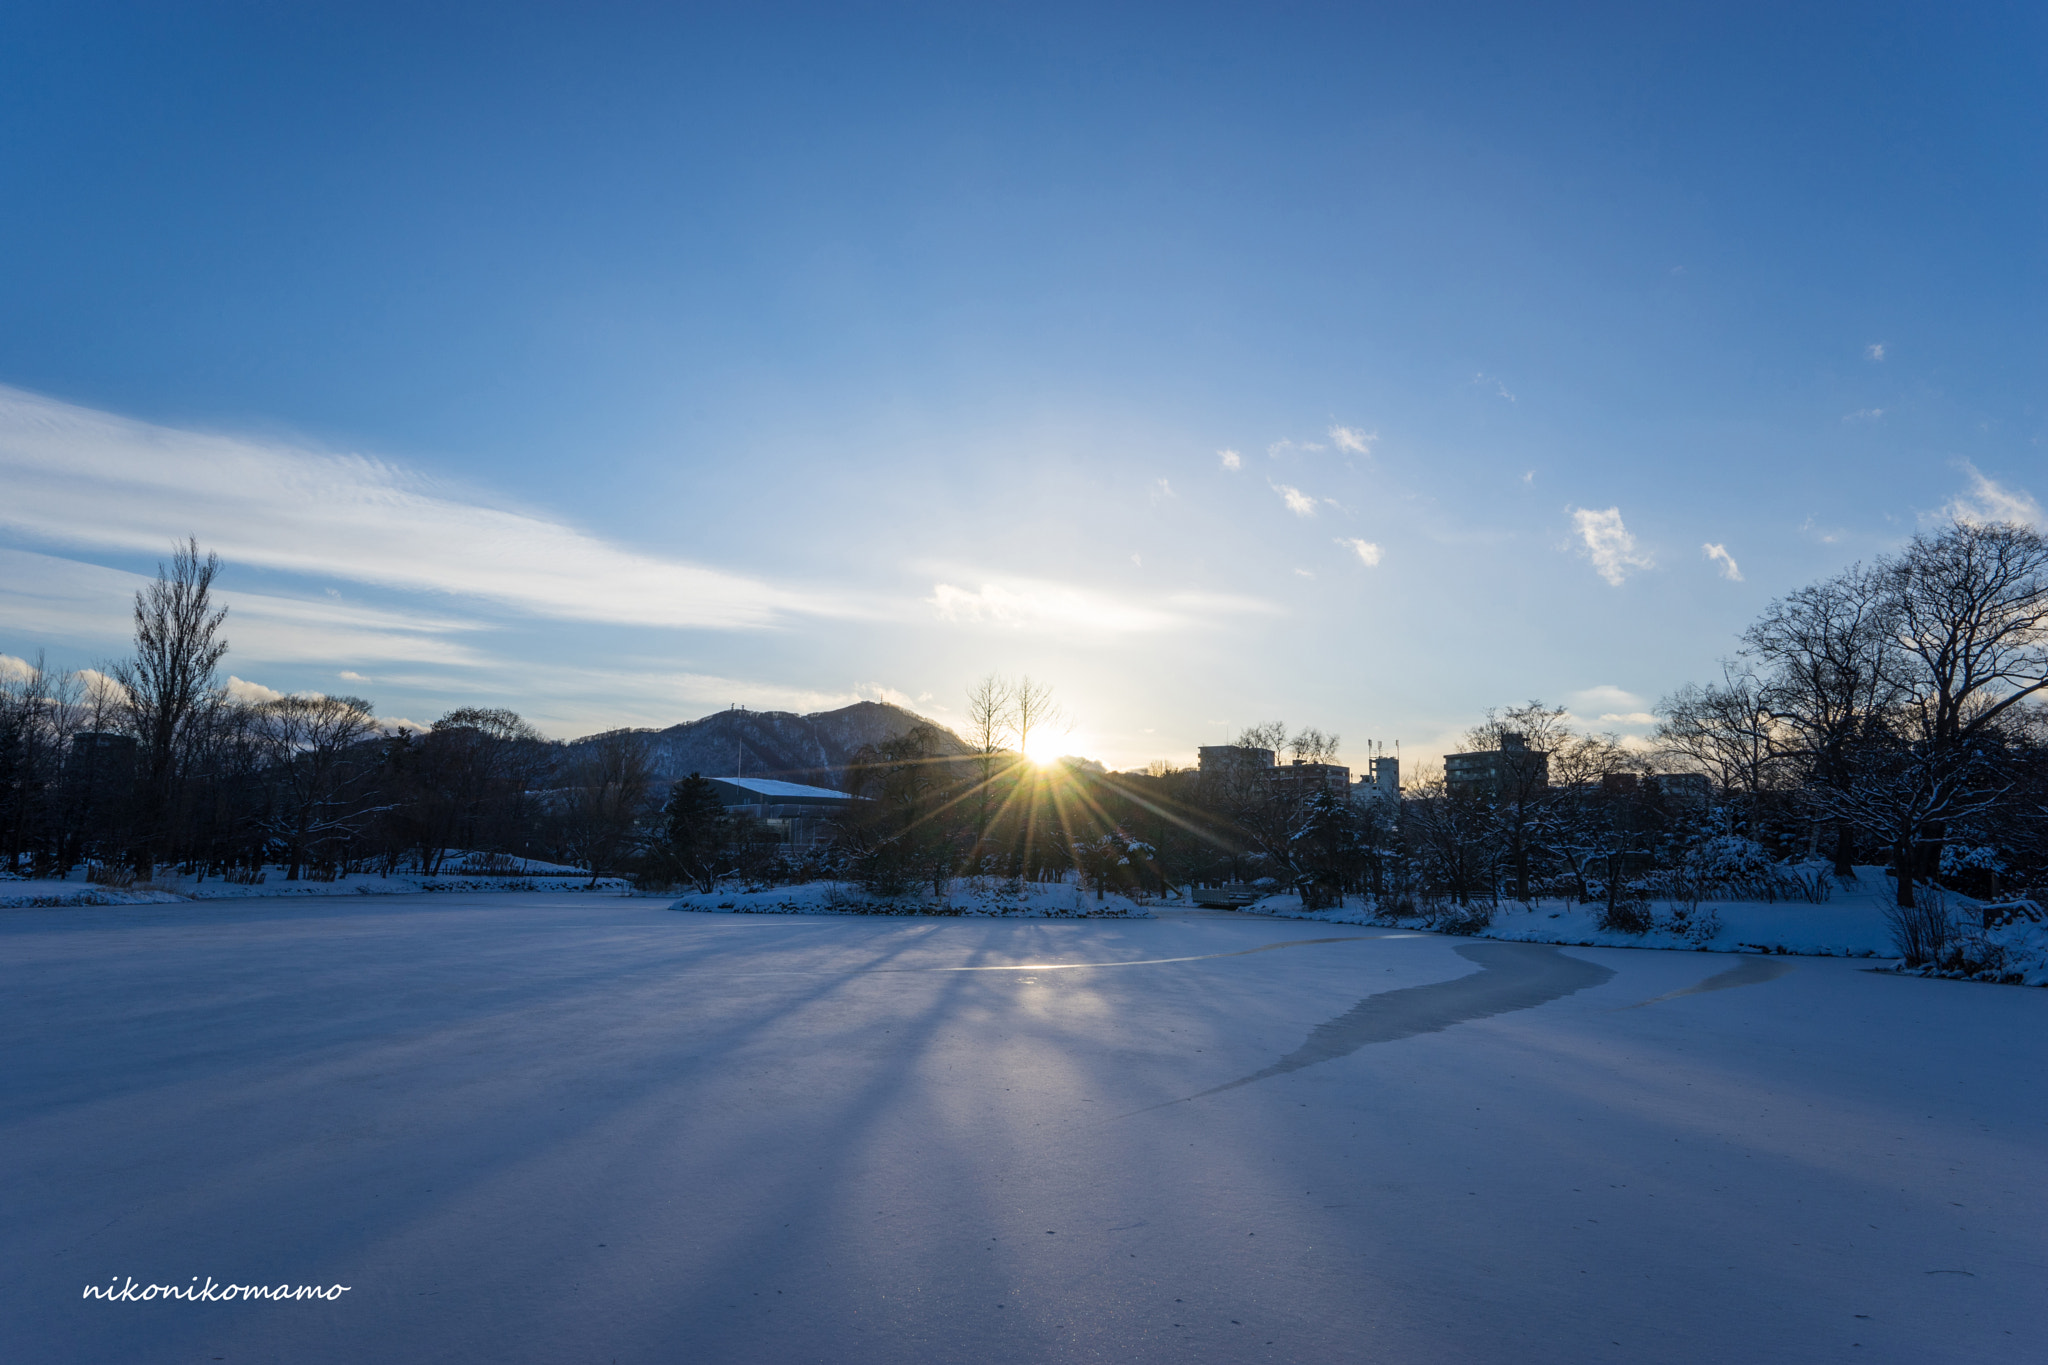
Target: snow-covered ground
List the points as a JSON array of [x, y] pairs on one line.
[[169, 887], [568, 1128], [1851, 923], [974, 896]]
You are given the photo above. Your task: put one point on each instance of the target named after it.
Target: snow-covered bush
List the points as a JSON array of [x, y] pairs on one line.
[[1689, 922], [1628, 912], [1731, 859], [1960, 858]]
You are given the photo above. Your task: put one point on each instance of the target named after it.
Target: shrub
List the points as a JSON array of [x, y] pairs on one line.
[[1702, 928], [1923, 931], [1627, 913], [1462, 919], [1814, 885], [116, 875]]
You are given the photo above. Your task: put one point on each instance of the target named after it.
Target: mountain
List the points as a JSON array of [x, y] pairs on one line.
[[813, 749]]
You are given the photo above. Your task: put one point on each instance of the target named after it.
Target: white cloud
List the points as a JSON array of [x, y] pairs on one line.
[[1499, 388], [13, 669], [350, 675], [1609, 705], [1162, 489], [1023, 604], [1222, 604], [1303, 573], [874, 691], [1608, 544], [1529, 478], [99, 687], [76, 476], [1875, 350], [1719, 554], [1989, 502], [1863, 415], [1820, 533], [1298, 502], [1367, 552], [51, 597], [249, 694], [1279, 448], [1353, 440], [1231, 459], [1028, 604]]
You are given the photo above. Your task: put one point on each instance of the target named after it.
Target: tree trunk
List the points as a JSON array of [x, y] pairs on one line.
[[1845, 850]]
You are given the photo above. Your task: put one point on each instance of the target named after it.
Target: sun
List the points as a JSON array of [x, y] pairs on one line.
[[1044, 749]]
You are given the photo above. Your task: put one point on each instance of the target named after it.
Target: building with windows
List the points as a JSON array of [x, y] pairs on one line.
[[1237, 763], [1383, 783], [1490, 773]]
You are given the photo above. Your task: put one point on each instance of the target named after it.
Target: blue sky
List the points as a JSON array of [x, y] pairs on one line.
[[1358, 367]]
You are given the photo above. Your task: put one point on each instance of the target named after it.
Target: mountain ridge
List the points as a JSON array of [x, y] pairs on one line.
[[812, 748]]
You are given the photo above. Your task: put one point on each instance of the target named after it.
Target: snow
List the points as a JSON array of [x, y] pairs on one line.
[[1852, 923], [169, 887], [994, 897], [550, 1127]]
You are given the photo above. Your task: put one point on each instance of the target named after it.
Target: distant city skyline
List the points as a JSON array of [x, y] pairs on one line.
[[1356, 369]]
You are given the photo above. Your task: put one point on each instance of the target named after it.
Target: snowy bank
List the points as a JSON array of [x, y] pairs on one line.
[[49, 892], [1853, 922], [986, 897]]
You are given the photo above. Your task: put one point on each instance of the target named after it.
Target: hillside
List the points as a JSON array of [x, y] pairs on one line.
[[813, 748]]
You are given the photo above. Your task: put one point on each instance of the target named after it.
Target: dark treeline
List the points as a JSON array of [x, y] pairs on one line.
[[153, 764]]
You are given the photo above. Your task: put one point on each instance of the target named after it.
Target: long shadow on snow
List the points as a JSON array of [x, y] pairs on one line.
[[1512, 976], [1751, 971]]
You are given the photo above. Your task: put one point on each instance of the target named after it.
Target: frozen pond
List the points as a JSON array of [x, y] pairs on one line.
[[563, 1129]]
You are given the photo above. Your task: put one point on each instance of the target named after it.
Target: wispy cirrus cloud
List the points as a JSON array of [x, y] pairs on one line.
[[1988, 502], [1605, 541], [1298, 502], [1367, 552], [80, 477], [1500, 390], [1035, 604], [1719, 555], [1353, 440], [52, 597]]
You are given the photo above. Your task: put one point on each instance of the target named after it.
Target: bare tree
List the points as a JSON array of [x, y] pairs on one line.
[[1970, 610], [1031, 708], [1829, 678], [1541, 727], [609, 782], [991, 717], [1271, 735], [1724, 730], [177, 650], [1311, 745], [318, 800]]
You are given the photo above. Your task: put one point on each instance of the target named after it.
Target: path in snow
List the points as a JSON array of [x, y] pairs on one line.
[[558, 1128]]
